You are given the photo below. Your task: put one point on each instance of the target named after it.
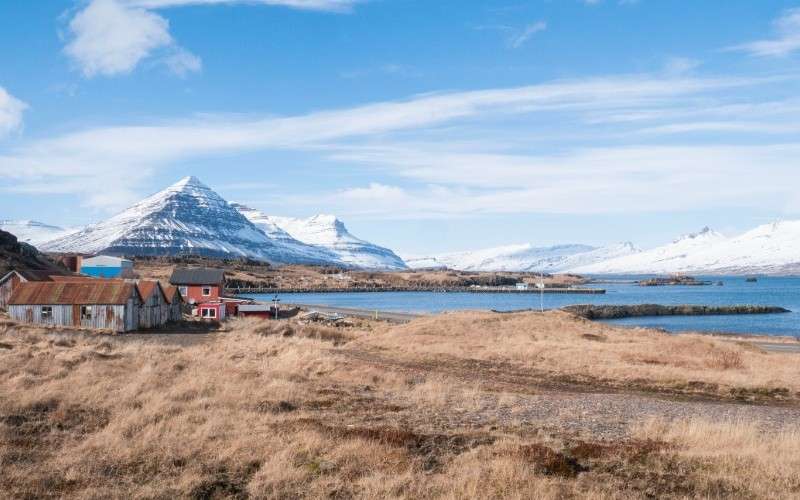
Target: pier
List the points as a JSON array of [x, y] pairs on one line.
[[562, 290]]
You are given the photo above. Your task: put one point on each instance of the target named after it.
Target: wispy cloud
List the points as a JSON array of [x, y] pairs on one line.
[[11, 110], [515, 37], [526, 34], [461, 124], [111, 37], [321, 5], [785, 42]]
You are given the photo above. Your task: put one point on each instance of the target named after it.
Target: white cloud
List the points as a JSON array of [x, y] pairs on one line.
[[526, 34], [11, 110], [786, 40], [451, 142], [323, 5], [111, 37]]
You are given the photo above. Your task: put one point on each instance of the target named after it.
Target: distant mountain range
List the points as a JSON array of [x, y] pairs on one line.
[[769, 249], [524, 258], [190, 218]]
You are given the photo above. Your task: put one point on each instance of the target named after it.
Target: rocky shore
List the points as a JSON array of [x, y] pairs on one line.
[[641, 310]]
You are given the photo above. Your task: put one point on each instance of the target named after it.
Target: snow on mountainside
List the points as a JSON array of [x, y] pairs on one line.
[[525, 258], [330, 234], [284, 239], [33, 232], [186, 218], [771, 248]]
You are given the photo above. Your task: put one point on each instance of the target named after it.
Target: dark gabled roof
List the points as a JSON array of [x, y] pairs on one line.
[[197, 276], [87, 292]]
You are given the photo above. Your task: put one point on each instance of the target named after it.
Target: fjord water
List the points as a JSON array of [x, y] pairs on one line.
[[773, 291]]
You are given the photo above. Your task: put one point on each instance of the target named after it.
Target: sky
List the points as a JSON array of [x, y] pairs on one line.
[[427, 126]]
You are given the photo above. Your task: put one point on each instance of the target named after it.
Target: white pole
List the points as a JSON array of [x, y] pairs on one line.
[[541, 291]]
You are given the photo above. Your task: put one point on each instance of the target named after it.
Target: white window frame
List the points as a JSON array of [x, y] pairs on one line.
[[203, 291], [47, 313], [184, 291], [208, 313], [84, 311]]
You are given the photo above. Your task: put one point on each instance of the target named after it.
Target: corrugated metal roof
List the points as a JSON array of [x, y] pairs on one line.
[[69, 278], [75, 292], [146, 288], [170, 292], [255, 308], [197, 276]]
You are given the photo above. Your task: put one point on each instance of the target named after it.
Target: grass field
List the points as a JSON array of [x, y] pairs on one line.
[[467, 405]]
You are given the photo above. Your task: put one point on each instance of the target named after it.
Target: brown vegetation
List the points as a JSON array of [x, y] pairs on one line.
[[246, 273], [282, 410]]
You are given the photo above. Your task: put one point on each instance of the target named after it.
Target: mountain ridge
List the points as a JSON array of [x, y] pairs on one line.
[[328, 232]]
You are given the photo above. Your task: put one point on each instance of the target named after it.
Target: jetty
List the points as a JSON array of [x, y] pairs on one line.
[[465, 289], [644, 310]]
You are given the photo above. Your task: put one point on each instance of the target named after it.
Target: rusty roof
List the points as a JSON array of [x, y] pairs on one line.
[[74, 277], [146, 288], [170, 292], [76, 292]]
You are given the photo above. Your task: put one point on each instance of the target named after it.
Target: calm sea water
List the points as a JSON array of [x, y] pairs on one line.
[[774, 291]]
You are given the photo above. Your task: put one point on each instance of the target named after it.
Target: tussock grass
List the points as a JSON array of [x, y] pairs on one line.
[[277, 410], [565, 347]]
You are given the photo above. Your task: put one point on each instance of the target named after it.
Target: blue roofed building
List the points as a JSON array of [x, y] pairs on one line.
[[105, 266]]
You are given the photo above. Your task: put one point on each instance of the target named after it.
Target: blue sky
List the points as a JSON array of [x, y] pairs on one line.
[[427, 126]]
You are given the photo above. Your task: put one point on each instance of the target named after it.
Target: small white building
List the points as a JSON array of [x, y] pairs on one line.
[[522, 286]]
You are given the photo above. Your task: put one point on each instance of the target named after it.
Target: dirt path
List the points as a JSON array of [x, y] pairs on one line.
[[564, 407]]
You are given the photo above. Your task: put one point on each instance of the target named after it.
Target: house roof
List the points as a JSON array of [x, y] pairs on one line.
[[197, 276], [88, 292], [170, 292], [255, 308], [146, 288]]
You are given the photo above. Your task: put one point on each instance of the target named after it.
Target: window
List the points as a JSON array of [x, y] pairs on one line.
[[208, 313], [86, 313], [47, 313], [206, 291], [184, 291]]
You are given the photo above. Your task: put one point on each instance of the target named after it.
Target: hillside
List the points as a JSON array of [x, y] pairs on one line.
[[22, 257]]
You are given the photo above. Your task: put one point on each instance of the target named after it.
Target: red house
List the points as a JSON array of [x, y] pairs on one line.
[[199, 285]]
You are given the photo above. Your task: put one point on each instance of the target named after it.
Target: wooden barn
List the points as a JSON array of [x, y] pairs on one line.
[[175, 300], [13, 278], [155, 308], [96, 304], [7, 285]]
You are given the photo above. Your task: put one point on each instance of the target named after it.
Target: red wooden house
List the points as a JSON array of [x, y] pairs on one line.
[[199, 285]]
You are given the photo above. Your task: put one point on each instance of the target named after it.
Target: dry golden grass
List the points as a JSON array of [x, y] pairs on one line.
[[561, 346], [269, 410]]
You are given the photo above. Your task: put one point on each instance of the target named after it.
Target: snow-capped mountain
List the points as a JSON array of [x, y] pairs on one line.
[[329, 234], [524, 258], [771, 248], [186, 218], [33, 232]]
